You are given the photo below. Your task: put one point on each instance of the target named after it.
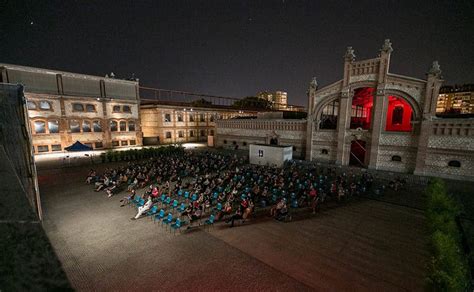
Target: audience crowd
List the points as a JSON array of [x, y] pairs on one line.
[[194, 185]]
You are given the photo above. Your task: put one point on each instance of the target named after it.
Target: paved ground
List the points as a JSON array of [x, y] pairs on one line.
[[364, 245]]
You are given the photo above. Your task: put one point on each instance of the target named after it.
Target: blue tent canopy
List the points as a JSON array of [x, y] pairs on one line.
[[78, 146]]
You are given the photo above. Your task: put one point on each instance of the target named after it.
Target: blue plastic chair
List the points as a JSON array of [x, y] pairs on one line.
[[152, 211], [160, 215], [215, 195], [219, 207], [163, 199], [175, 205], [136, 201], [186, 195], [180, 193], [176, 225], [182, 207], [168, 201], [168, 220], [194, 197], [210, 221], [141, 203]]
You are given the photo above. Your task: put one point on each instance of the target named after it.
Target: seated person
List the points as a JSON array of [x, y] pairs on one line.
[[236, 216], [282, 213], [277, 208], [126, 200], [144, 208]]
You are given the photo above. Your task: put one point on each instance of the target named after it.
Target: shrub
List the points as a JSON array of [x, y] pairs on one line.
[[448, 269]]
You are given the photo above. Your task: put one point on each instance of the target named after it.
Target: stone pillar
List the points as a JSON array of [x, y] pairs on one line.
[[433, 85], [380, 105], [344, 116], [313, 87]]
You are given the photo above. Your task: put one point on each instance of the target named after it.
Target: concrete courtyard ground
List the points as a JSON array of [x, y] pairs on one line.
[[362, 245]]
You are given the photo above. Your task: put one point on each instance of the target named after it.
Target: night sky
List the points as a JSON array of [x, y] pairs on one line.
[[236, 48]]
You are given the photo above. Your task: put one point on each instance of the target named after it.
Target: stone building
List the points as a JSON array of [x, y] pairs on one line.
[[164, 123], [66, 107], [381, 120], [267, 128]]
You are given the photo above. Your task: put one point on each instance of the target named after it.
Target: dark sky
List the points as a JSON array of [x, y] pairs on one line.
[[236, 48]]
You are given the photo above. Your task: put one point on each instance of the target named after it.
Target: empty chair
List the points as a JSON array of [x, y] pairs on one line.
[[176, 225], [168, 220], [168, 201], [180, 193], [210, 220], [175, 205], [219, 207], [194, 197], [159, 216], [186, 195]]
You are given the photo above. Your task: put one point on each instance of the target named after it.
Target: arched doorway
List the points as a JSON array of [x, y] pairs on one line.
[[357, 154]]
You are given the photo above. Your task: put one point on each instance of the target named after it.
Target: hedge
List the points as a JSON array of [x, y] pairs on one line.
[[448, 269], [137, 154]]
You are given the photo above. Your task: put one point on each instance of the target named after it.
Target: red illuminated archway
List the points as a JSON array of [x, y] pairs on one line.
[[399, 115], [362, 103]]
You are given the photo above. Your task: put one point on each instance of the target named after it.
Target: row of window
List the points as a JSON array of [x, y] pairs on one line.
[[76, 107], [84, 126], [95, 145], [180, 118], [39, 105], [202, 133]]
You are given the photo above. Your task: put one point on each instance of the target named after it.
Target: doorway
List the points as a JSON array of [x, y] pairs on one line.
[[357, 154]]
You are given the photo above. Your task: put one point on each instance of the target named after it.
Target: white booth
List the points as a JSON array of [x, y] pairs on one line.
[[272, 155]]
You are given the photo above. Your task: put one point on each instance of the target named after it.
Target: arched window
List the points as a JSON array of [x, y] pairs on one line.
[[361, 111], [454, 163], [86, 126], [399, 115], [123, 126], [74, 126], [90, 108], [396, 158], [78, 107], [31, 105], [329, 114], [324, 151], [53, 126], [44, 105], [96, 126], [131, 126], [113, 126], [40, 127]]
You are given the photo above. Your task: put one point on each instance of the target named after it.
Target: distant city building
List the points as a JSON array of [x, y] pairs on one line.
[[66, 107], [278, 99], [456, 100]]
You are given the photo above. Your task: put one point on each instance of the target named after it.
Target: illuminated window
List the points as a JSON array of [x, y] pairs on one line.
[[133, 142], [113, 126], [115, 143], [40, 127], [77, 107], [44, 105], [43, 148], [74, 126], [124, 143], [53, 126], [362, 103], [56, 147], [399, 115], [86, 126], [131, 126], [123, 126], [31, 105], [167, 118], [96, 126]]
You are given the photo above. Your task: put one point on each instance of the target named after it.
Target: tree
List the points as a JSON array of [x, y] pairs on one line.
[[201, 102], [252, 102]]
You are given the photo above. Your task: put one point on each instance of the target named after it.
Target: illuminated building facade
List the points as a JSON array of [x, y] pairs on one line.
[[380, 120], [66, 107], [456, 100], [278, 99]]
